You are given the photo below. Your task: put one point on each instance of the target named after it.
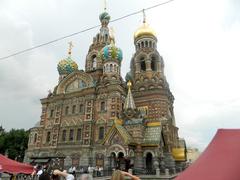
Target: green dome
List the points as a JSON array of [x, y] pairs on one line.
[[111, 52], [67, 66], [104, 17]]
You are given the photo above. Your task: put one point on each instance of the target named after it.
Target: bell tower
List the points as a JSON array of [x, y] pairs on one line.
[[94, 62], [147, 76]]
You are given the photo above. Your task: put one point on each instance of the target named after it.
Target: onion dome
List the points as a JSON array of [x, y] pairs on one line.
[[128, 76], [67, 66], [144, 30], [104, 18], [111, 52]]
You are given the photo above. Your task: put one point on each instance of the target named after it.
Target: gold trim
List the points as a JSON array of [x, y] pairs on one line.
[[153, 124], [179, 154]]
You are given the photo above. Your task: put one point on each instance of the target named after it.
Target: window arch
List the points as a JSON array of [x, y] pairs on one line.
[[74, 109], [142, 44], [64, 133], [150, 44], [153, 64], [81, 108], [143, 64], [51, 113], [71, 133], [66, 110], [146, 43], [79, 134], [48, 136], [111, 67], [94, 61], [101, 133], [102, 106], [35, 138]]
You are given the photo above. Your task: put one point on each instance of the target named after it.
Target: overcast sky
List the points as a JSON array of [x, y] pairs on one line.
[[198, 39]]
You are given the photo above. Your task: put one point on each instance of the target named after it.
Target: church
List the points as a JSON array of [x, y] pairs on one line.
[[94, 117]]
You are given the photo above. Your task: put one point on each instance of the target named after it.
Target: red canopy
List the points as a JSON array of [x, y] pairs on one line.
[[220, 160], [13, 167]]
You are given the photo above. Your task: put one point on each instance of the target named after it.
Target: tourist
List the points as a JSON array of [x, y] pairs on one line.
[[120, 175], [56, 175], [63, 174]]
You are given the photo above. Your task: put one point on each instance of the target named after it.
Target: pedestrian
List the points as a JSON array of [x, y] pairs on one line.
[[120, 175], [56, 175]]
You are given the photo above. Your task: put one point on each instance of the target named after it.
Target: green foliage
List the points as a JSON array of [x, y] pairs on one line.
[[14, 143]]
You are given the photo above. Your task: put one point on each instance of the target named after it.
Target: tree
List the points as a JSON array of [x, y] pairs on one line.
[[15, 143]]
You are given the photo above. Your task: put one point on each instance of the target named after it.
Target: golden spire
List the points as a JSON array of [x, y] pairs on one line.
[[70, 48], [129, 102]]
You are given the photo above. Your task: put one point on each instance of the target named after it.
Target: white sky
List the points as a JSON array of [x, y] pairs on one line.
[[199, 41]]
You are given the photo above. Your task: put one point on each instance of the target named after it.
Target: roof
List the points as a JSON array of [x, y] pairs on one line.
[[220, 160], [152, 135], [179, 154], [121, 130], [13, 167]]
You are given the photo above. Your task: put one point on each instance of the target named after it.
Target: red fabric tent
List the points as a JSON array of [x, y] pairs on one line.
[[220, 160], [13, 167]]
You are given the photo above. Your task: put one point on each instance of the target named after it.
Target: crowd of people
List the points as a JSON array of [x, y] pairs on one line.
[[50, 173]]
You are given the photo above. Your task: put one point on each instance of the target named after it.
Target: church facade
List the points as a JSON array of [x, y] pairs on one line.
[[96, 118]]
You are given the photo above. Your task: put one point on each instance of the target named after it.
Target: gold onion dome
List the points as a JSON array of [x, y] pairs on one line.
[[144, 30]]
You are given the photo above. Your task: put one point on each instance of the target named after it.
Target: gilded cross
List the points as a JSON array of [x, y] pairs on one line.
[[70, 48], [144, 16], [105, 5]]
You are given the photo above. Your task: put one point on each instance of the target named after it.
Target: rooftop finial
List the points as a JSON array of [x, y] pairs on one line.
[[129, 84], [70, 48], [129, 102], [144, 16]]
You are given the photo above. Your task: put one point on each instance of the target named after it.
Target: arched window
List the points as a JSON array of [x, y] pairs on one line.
[[51, 113], [74, 109], [143, 65], [66, 110], [153, 45], [48, 136], [138, 45], [150, 44], [111, 67], [142, 44], [153, 64], [64, 132], [102, 106], [94, 61], [101, 133], [146, 44], [35, 138], [79, 134], [81, 108], [71, 135]]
